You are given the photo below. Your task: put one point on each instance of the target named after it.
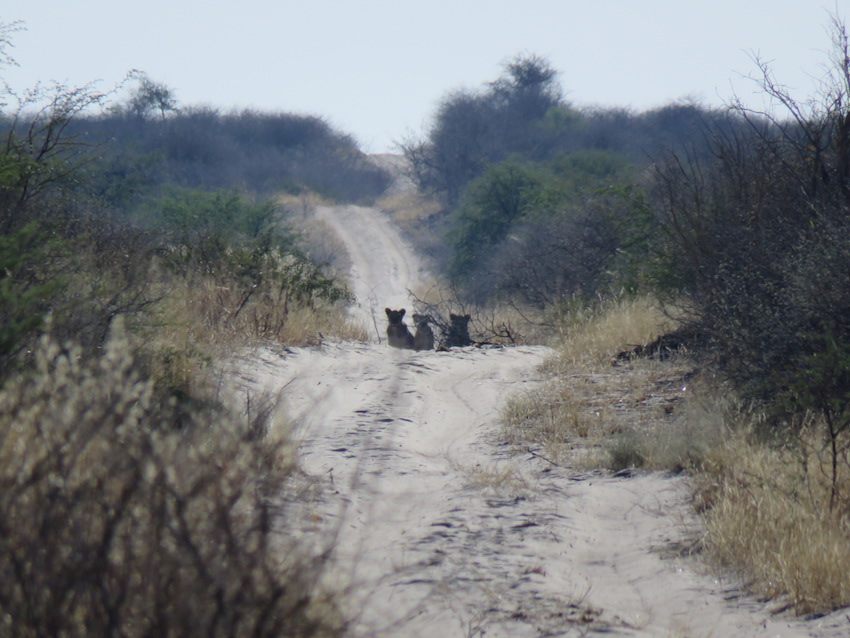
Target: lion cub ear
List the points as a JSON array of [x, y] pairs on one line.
[[401, 312], [388, 311]]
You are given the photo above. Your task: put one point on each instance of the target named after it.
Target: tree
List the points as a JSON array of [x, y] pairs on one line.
[[757, 234], [453, 153], [7, 29], [36, 150], [526, 91], [473, 129], [150, 96]]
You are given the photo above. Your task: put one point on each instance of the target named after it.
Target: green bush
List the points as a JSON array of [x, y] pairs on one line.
[[491, 205], [186, 213], [540, 232], [24, 291]]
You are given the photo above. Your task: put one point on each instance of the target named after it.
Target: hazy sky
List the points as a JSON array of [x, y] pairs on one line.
[[378, 68]]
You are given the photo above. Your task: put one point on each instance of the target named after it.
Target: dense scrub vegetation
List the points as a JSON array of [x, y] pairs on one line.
[[138, 250], [109, 215], [124, 514], [543, 200], [737, 220], [739, 215]]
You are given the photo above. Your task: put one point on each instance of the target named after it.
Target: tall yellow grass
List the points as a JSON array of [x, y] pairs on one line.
[[200, 322], [765, 502], [592, 411], [768, 521], [593, 335]]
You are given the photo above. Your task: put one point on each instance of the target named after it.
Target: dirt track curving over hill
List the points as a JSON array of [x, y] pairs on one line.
[[439, 530]]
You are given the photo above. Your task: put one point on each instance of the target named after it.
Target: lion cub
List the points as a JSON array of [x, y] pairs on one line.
[[398, 335], [458, 331], [424, 337]]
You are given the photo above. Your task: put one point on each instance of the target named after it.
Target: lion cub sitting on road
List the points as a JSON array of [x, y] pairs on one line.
[[424, 338], [398, 334], [458, 332]]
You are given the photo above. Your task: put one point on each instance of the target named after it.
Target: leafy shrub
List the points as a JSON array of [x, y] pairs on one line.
[[77, 278], [492, 204], [758, 237], [536, 233], [22, 293], [186, 213]]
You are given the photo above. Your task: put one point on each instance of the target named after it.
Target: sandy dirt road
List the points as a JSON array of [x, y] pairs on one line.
[[439, 531], [383, 268]]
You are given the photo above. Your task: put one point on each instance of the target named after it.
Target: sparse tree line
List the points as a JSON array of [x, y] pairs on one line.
[[202, 147]]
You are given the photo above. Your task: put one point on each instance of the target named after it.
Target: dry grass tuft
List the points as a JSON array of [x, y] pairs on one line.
[[593, 413], [766, 504], [549, 418], [406, 206], [310, 326], [626, 416], [123, 515], [768, 521], [592, 336], [503, 479], [200, 323]]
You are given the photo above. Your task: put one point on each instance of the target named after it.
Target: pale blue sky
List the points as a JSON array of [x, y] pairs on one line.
[[377, 68]]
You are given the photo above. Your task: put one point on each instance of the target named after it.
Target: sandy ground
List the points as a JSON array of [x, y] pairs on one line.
[[439, 531], [383, 267]]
